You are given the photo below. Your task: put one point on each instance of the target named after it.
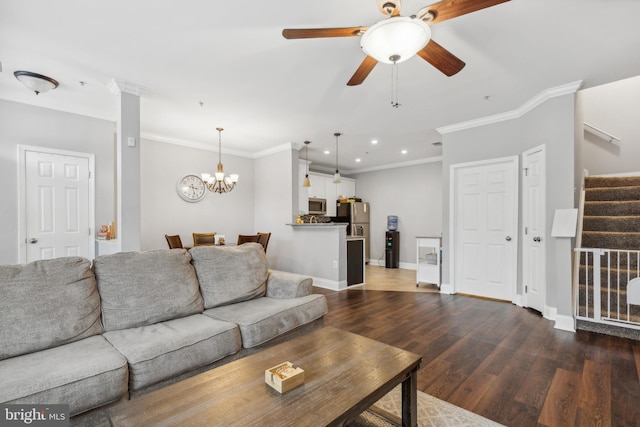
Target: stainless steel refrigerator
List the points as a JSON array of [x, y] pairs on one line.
[[357, 215]]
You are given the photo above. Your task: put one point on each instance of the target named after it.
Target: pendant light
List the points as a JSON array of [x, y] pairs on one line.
[[336, 176], [307, 182]]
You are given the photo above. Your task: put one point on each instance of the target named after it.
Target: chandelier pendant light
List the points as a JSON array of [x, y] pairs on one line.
[[336, 176], [36, 82], [307, 182], [219, 183]]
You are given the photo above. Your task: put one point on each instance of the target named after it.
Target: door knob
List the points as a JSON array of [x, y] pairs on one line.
[[537, 239], [33, 240], [508, 238]]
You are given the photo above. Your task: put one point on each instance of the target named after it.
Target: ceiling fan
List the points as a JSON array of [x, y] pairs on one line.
[[397, 38]]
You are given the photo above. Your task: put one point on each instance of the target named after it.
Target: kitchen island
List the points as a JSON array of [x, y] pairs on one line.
[[319, 250]]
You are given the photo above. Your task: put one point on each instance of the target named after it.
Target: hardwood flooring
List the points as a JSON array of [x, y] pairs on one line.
[[499, 360]]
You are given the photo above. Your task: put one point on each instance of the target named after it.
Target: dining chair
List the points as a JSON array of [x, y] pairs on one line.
[[264, 239], [248, 238], [173, 241], [204, 239]]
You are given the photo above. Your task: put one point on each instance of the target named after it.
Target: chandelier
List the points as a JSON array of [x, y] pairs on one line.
[[219, 183]]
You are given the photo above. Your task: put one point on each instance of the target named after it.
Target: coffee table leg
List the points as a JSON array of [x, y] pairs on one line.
[[410, 400]]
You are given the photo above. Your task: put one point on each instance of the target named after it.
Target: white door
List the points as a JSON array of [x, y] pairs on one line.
[[484, 228], [57, 210], [534, 228]]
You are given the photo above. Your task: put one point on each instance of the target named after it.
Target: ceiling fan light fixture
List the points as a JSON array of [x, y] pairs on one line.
[[395, 39]]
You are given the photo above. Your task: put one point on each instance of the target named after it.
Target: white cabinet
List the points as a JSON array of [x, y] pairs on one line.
[[317, 188], [428, 260], [347, 188], [322, 186]]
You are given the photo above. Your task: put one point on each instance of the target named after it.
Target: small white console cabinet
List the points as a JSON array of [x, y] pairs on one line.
[[428, 260]]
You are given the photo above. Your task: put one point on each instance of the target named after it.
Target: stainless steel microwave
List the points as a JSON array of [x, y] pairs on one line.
[[317, 206]]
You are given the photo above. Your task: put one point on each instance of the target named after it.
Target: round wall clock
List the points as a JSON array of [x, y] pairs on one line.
[[191, 188]]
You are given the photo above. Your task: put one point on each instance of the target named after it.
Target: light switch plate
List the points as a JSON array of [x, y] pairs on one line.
[[131, 141]]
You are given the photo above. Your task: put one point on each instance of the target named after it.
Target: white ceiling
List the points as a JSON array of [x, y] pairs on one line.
[[266, 90]]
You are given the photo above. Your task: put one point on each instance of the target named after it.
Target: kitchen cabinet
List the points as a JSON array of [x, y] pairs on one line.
[[428, 260], [318, 186], [347, 188], [322, 186]]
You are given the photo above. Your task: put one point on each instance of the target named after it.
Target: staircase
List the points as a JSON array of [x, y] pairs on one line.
[[610, 243]]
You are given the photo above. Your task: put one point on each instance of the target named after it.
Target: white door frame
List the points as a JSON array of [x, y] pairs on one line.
[[22, 202], [525, 236], [452, 217]]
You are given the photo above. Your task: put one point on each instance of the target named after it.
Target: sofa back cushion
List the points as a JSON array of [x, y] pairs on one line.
[[46, 304], [229, 274], [143, 288]]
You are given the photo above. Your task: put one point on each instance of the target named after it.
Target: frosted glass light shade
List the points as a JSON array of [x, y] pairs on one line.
[[336, 178], [36, 82], [395, 39]]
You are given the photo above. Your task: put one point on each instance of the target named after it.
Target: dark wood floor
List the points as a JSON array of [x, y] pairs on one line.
[[499, 360]]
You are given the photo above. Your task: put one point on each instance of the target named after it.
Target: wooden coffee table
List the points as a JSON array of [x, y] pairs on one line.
[[344, 375]]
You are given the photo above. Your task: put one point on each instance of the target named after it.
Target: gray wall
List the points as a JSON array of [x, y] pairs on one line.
[[164, 212], [552, 124], [22, 124], [414, 194], [613, 108]]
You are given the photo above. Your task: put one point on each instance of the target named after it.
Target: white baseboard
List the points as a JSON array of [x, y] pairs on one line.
[[519, 300], [333, 285], [446, 288], [550, 313], [565, 323]]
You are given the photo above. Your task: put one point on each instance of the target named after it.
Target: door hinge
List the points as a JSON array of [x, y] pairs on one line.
[[526, 171], [89, 174], [89, 231], [526, 230], [526, 289]]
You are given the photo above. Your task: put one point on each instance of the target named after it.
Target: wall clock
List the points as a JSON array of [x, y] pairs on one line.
[[191, 188]]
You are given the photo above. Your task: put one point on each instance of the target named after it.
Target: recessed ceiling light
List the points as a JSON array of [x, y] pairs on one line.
[[374, 141], [327, 152], [404, 151], [358, 160]]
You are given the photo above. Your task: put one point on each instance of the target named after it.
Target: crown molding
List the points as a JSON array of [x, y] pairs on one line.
[[323, 168], [208, 147], [117, 86], [518, 112]]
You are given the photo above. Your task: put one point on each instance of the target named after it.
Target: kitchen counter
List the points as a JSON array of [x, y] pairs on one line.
[[320, 224]]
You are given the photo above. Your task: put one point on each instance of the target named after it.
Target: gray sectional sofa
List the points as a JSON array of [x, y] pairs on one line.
[[92, 335]]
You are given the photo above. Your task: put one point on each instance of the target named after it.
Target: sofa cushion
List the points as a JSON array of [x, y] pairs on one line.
[[85, 374], [47, 303], [170, 348], [265, 318], [229, 274], [142, 288]]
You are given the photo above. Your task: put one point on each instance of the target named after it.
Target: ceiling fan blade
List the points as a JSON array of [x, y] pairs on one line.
[[363, 71], [312, 33], [448, 9], [441, 58]]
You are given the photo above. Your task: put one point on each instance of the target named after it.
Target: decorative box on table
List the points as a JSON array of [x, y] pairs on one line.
[[284, 377]]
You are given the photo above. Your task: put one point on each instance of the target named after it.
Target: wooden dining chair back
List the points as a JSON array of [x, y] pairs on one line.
[[264, 239], [248, 238], [204, 239], [173, 241]]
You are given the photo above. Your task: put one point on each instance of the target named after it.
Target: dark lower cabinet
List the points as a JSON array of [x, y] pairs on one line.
[[355, 262]]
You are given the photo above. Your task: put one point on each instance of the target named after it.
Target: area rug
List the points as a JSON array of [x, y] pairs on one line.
[[432, 412]]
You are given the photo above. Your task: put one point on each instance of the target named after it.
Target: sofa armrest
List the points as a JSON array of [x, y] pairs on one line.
[[281, 284]]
